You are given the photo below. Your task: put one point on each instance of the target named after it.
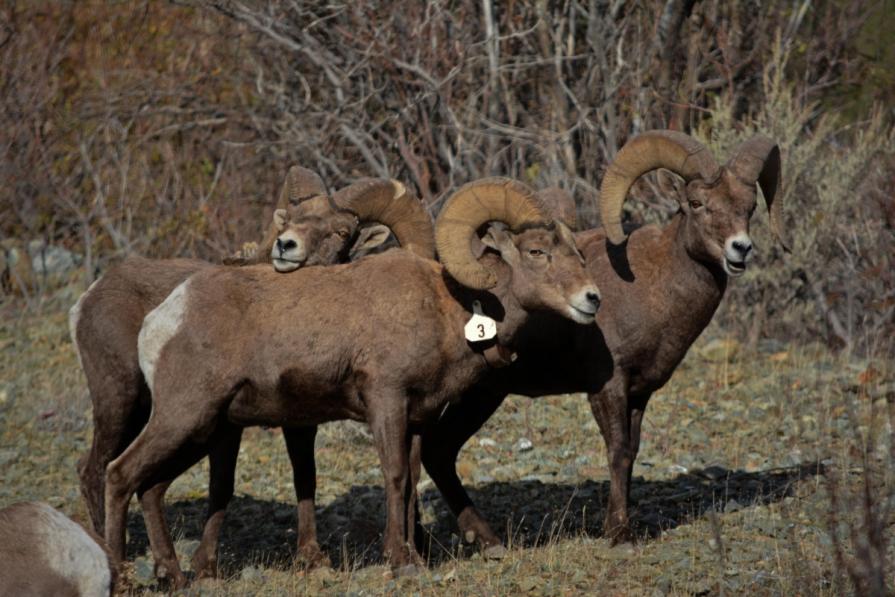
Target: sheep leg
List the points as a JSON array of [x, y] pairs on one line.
[[388, 422], [300, 445], [222, 479], [149, 460], [441, 445], [151, 501], [117, 420], [152, 495], [615, 417], [414, 524]]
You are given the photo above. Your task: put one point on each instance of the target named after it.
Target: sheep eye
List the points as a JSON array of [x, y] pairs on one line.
[[695, 204], [536, 252], [342, 233]]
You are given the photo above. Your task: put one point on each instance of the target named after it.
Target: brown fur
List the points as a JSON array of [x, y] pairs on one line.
[[44, 553], [105, 334], [660, 290], [320, 345]]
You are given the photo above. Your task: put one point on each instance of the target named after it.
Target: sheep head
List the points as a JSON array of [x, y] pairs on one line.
[[312, 228], [546, 269], [717, 201]]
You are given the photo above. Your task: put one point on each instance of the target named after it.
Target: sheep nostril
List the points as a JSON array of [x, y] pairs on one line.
[[742, 246], [279, 246], [593, 298], [288, 245]]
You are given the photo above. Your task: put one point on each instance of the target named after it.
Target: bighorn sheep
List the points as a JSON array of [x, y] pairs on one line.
[[107, 318], [380, 340], [661, 287], [300, 444], [43, 552]]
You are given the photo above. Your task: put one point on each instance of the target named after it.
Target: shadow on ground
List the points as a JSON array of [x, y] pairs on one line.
[[525, 513]]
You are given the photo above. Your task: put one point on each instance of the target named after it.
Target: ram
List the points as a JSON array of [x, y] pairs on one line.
[[661, 287], [384, 340], [43, 552], [106, 319]]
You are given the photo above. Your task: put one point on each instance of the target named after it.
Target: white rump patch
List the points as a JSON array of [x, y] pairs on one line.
[[74, 316], [71, 552], [159, 326]]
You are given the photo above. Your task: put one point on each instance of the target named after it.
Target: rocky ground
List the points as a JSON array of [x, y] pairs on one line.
[[730, 491]]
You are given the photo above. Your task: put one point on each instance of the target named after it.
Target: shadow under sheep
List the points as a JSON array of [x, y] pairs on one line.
[[533, 512]]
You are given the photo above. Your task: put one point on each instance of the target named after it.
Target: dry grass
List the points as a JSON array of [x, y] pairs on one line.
[[762, 524]]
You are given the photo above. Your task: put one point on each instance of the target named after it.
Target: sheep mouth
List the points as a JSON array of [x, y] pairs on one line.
[[281, 264], [582, 315], [734, 268]]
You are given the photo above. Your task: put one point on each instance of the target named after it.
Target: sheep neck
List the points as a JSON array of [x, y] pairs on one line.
[[696, 286], [501, 304]]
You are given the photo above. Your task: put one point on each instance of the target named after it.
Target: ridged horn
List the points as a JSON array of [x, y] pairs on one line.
[[485, 200], [390, 203], [758, 160], [561, 204], [675, 151], [301, 184]]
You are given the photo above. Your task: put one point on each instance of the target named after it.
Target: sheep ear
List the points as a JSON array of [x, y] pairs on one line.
[[368, 239], [499, 239], [280, 219], [671, 185], [566, 236]]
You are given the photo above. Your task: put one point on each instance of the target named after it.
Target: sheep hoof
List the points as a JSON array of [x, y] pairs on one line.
[[623, 548], [311, 558], [204, 568], [494, 552], [408, 570]]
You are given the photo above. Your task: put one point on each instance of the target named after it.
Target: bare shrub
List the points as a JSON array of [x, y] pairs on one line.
[[837, 285], [165, 128]]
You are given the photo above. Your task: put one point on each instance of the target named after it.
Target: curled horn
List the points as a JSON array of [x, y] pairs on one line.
[[672, 150], [489, 199], [758, 160], [390, 203], [561, 204], [301, 184]]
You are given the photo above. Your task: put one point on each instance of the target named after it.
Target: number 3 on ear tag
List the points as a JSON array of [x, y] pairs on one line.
[[480, 327]]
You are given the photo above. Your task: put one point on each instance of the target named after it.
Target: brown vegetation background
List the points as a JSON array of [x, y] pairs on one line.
[[164, 128]]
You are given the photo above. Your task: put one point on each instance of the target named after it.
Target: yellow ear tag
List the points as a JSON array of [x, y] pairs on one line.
[[480, 327]]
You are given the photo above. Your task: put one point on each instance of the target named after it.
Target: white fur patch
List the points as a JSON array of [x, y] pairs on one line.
[[291, 258], [735, 259], [74, 316], [71, 552], [159, 326], [734, 254]]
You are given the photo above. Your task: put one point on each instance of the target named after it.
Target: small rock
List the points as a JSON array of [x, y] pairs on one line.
[[251, 573], [677, 469], [720, 350], [770, 345], [51, 259], [529, 584], [187, 547], [523, 445], [732, 506], [8, 455], [713, 472], [144, 574], [487, 442]]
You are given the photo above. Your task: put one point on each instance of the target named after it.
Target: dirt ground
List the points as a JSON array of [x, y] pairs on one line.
[[729, 495]]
